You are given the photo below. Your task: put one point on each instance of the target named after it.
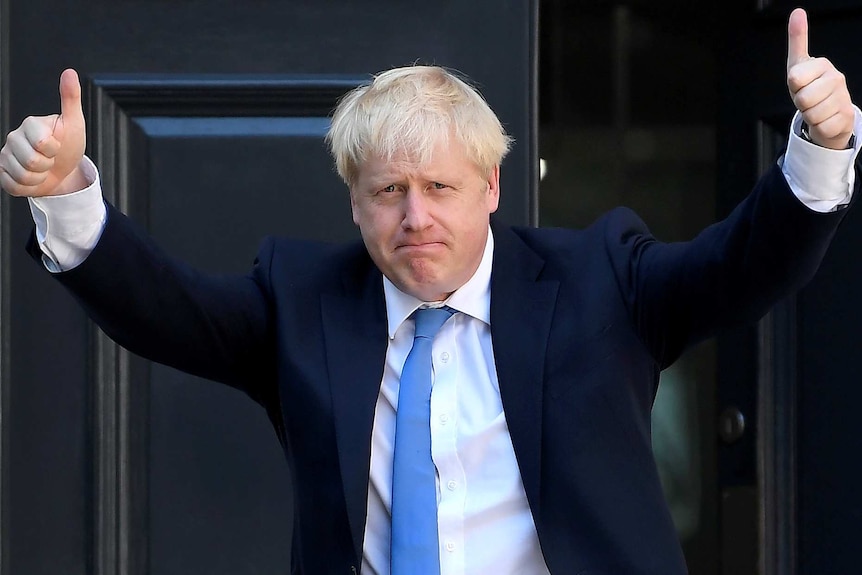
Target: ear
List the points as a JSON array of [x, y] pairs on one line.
[[493, 193], [354, 210]]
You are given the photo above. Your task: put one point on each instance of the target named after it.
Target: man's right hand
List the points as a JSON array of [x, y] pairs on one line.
[[42, 156]]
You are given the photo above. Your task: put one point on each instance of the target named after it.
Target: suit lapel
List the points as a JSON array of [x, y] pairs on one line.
[[521, 312], [354, 323]]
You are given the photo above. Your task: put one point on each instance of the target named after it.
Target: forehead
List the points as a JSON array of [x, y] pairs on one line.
[[447, 158]]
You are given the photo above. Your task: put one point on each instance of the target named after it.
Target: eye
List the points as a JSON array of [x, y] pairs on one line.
[[389, 189], [439, 186]]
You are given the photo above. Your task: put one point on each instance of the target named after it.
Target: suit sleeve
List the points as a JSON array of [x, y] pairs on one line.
[[731, 273], [157, 307]]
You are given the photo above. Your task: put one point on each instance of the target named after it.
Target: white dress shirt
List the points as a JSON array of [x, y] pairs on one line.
[[484, 524], [484, 521]]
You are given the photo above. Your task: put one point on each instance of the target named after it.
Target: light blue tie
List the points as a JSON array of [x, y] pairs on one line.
[[415, 550]]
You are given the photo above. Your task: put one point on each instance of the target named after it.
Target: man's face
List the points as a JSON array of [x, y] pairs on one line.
[[425, 226]]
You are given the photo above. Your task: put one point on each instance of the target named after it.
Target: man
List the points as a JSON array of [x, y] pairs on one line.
[[531, 452]]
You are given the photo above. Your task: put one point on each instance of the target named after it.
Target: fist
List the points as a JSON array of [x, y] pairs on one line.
[[818, 89], [41, 157]]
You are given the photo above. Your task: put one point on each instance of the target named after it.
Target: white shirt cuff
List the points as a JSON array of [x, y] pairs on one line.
[[68, 227], [821, 178]]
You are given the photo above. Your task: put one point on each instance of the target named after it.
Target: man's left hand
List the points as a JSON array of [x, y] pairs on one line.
[[818, 89]]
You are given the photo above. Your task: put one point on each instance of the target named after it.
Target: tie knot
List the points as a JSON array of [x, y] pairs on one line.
[[429, 320]]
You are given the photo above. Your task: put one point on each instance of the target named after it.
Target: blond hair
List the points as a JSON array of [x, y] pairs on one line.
[[408, 111]]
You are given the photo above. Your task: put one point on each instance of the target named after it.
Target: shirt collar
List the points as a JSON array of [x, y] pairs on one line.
[[473, 298]]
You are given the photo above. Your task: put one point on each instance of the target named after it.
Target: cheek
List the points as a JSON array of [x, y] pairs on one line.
[[376, 226]]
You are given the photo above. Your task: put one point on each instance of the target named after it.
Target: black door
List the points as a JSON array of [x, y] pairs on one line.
[[206, 118], [789, 481]]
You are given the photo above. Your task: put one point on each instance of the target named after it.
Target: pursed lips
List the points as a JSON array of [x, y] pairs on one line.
[[419, 245]]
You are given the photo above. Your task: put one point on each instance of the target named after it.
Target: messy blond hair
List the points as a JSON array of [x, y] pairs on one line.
[[409, 110]]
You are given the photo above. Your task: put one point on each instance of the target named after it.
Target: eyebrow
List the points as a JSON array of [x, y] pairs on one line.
[[387, 178]]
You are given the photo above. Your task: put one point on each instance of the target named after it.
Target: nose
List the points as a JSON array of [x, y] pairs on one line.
[[416, 211]]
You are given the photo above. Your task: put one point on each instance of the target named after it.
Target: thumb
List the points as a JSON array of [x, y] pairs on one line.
[[797, 38], [70, 97], [70, 129]]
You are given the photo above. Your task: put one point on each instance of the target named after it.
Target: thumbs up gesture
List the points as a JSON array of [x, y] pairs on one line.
[[818, 89], [41, 157]]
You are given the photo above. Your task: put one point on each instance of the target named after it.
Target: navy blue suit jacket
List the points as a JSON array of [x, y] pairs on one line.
[[582, 323]]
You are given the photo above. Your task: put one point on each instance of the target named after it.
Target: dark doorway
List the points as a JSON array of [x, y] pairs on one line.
[[673, 108]]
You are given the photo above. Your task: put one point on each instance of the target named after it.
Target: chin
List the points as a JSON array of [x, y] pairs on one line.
[[432, 291], [423, 280], [426, 290]]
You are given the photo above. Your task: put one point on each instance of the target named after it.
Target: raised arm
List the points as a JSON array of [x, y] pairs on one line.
[[157, 307], [774, 241]]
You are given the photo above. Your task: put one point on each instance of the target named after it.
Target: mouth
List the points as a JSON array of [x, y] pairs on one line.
[[420, 246]]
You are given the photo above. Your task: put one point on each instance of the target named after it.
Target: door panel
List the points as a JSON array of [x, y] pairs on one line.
[[206, 119]]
